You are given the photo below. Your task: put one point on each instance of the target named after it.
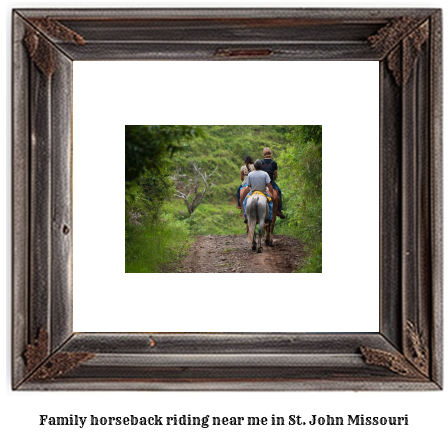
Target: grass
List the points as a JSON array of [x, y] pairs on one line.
[[208, 219], [313, 263], [156, 246]]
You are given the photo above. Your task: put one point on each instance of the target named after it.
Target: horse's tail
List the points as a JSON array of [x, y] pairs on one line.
[[262, 212], [251, 211]]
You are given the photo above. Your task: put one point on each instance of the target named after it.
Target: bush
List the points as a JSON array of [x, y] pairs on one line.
[[302, 189]]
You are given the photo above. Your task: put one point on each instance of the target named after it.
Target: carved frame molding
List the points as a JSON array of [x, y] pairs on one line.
[[406, 354]]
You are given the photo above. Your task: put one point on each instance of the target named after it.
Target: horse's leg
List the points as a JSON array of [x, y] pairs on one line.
[[251, 222], [260, 248], [272, 230], [260, 231], [274, 217], [261, 222], [267, 233], [254, 242], [267, 229]]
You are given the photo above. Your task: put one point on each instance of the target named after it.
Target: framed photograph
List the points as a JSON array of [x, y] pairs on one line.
[[50, 353]]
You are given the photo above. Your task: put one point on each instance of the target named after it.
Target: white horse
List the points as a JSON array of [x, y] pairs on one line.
[[257, 210]]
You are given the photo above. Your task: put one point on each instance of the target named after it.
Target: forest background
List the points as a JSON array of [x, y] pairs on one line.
[[163, 161]]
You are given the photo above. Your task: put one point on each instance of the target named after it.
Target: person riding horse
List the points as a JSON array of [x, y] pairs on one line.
[[270, 167], [244, 172], [258, 180]]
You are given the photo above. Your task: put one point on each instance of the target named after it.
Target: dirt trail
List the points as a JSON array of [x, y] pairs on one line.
[[233, 253]]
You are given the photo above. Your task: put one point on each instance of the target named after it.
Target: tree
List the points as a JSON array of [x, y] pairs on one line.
[[187, 187], [148, 153], [147, 145]]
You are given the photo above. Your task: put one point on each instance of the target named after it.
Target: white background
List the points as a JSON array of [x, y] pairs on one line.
[[427, 411], [343, 298]]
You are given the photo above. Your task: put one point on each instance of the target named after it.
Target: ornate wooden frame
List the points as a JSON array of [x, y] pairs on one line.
[[406, 354]]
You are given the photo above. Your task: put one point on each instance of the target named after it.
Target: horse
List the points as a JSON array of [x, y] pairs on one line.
[[257, 210]]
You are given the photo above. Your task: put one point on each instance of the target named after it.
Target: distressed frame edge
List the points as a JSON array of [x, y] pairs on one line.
[[20, 212], [23, 99], [436, 145], [109, 355]]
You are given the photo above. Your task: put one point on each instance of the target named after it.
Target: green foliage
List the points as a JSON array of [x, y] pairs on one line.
[[154, 244], [146, 146], [302, 189], [151, 239], [313, 262], [224, 146]]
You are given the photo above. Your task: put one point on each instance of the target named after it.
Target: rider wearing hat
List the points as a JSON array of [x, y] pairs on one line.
[[270, 167]]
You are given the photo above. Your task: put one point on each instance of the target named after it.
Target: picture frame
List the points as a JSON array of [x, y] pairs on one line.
[[406, 353]]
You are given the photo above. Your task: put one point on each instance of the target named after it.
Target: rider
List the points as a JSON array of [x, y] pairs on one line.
[[257, 181], [245, 170], [270, 167]]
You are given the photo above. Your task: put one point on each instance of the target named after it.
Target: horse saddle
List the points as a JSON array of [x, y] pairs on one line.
[[260, 193]]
